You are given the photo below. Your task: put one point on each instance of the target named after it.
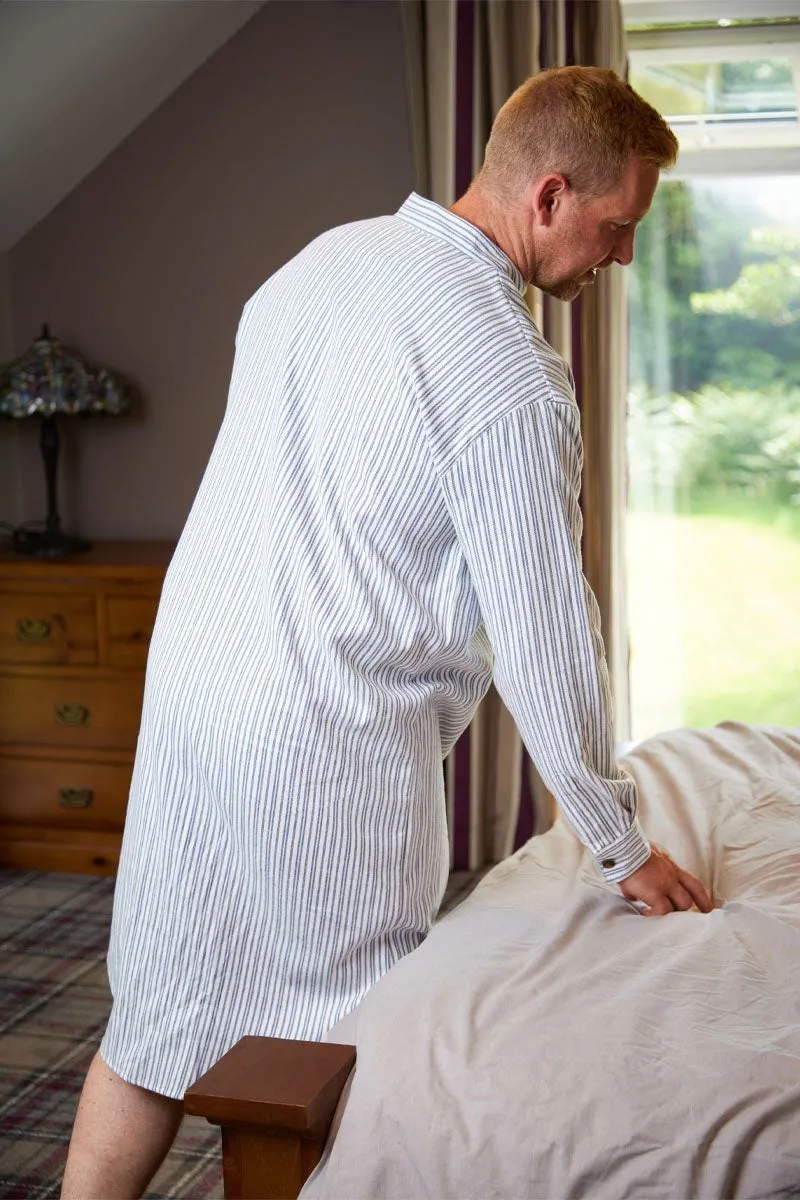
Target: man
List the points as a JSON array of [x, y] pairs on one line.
[[390, 515]]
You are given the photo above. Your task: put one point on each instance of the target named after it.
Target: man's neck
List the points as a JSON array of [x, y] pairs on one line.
[[503, 226]]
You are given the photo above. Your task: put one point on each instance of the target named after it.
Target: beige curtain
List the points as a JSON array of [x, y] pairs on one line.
[[429, 34], [504, 52], [602, 381], [556, 315], [500, 43], [507, 52]]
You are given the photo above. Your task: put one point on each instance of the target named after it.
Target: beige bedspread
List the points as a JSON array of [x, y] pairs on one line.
[[548, 1041]]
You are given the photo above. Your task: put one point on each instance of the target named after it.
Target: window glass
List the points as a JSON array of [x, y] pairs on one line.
[[713, 527]]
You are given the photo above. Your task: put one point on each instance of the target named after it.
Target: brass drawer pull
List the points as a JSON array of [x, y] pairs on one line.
[[76, 797], [72, 714], [31, 629]]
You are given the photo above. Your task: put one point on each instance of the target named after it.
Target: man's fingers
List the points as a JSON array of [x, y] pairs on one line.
[[681, 899], [663, 887], [696, 890]]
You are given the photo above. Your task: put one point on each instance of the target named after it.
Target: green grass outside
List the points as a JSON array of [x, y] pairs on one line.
[[714, 608], [785, 518]]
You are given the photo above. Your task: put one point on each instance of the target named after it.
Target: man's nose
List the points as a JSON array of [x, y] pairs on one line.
[[623, 251]]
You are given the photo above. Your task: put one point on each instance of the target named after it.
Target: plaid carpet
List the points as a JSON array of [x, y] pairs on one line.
[[54, 1004]]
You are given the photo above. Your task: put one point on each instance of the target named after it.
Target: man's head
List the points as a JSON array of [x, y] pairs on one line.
[[573, 159]]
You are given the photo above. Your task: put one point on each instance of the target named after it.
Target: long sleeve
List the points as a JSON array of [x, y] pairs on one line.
[[513, 498]]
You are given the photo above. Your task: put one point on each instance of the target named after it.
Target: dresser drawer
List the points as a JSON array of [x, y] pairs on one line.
[[66, 794], [39, 848], [71, 712], [130, 625], [39, 628]]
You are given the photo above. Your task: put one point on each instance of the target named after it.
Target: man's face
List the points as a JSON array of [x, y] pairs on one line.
[[587, 235]]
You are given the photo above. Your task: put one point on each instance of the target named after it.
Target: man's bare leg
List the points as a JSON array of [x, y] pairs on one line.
[[120, 1138]]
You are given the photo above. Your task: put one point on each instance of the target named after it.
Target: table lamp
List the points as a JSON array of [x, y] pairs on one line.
[[51, 381]]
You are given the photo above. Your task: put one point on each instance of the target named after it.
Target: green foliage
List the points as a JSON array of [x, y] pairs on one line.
[[759, 368], [767, 290], [747, 442], [718, 441], [713, 295]]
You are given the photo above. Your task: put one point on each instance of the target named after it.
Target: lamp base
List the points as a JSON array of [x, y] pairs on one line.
[[48, 543]]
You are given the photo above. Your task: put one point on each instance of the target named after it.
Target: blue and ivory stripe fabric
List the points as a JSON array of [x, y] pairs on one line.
[[390, 514]]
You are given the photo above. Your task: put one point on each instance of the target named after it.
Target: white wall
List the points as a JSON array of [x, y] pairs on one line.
[[300, 122]]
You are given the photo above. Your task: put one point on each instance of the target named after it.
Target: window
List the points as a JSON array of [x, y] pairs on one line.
[[713, 525]]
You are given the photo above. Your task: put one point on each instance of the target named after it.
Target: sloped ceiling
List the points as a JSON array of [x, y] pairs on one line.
[[77, 76]]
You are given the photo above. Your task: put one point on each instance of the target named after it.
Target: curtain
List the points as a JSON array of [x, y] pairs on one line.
[[464, 58], [556, 323], [600, 365]]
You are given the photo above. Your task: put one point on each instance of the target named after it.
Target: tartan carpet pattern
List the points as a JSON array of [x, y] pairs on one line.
[[54, 1004]]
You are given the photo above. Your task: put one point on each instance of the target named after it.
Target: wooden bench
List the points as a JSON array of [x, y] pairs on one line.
[[274, 1100]]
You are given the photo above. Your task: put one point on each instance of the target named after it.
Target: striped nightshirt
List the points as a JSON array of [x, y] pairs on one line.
[[389, 516]]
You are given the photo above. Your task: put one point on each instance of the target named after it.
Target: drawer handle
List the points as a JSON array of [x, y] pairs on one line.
[[72, 714], [76, 797], [31, 629]]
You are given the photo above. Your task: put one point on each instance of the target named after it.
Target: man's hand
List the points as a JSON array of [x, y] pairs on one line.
[[664, 887]]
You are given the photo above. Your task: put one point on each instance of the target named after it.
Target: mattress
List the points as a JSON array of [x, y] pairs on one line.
[[547, 1040]]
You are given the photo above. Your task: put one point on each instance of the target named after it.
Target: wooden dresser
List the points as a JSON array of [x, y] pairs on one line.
[[74, 634]]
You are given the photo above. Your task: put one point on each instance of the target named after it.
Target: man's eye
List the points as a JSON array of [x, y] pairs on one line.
[[616, 226]]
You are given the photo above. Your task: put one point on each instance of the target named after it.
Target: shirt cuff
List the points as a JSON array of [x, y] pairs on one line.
[[626, 855]]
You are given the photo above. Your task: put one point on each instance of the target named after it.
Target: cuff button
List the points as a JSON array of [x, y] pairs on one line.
[[608, 863]]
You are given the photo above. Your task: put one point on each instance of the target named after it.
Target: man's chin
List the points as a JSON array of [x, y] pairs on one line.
[[570, 289]]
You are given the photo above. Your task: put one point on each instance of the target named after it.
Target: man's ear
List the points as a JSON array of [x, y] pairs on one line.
[[546, 197]]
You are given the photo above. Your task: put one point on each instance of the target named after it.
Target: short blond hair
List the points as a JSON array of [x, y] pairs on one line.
[[584, 123]]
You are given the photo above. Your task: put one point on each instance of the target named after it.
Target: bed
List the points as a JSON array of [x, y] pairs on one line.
[[547, 1041]]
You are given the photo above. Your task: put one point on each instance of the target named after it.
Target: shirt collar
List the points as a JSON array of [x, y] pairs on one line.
[[467, 238]]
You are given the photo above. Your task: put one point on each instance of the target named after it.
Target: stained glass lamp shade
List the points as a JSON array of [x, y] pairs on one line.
[[51, 381]]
